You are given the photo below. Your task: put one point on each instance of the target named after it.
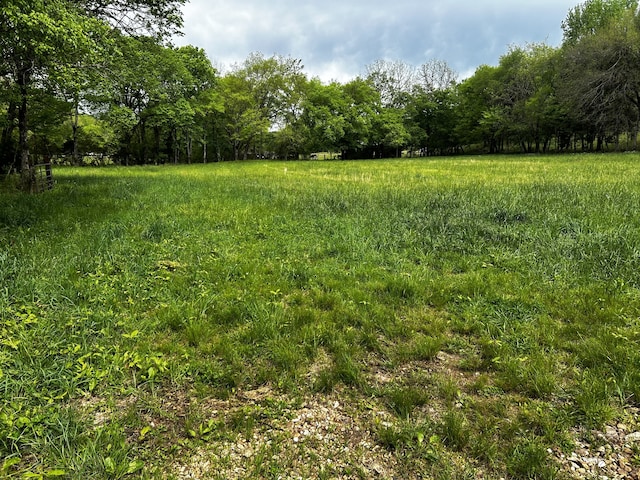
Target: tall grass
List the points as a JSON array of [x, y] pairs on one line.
[[214, 278]]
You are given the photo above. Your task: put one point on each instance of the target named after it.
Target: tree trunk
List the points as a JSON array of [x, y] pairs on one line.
[[236, 150], [174, 143], [189, 142], [143, 143], [156, 143], [74, 129], [24, 78]]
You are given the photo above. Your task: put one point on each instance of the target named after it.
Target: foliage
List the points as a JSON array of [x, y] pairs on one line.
[[592, 16], [59, 45], [606, 91]]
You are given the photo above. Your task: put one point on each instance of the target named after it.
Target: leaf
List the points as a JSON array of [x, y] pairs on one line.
[[144, 432], [55, 473], [135, 466], [133, 334], [109, 465], [11, 343], [8, 463]]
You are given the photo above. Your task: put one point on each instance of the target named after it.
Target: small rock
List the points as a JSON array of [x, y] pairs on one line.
[[633, 437]]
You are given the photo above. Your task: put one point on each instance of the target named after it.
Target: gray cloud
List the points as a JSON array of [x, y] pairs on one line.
[[337, 39]]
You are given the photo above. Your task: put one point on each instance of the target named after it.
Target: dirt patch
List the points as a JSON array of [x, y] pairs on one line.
[[320, 436]]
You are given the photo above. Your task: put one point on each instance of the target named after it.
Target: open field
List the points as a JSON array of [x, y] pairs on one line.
[[436, 318]]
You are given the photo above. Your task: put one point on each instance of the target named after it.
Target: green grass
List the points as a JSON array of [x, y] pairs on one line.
[[498, 297]]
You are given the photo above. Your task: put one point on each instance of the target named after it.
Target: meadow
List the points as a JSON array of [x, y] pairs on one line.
[[466, 317]]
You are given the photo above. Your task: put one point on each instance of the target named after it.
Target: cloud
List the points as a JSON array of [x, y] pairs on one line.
[[338, 39]]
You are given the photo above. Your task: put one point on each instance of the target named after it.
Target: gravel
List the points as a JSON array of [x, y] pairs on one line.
[[613, 453]]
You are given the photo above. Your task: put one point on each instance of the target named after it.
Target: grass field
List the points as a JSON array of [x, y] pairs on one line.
[[446, 318]]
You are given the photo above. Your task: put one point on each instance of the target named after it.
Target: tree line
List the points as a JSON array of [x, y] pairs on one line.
[[98, 81]]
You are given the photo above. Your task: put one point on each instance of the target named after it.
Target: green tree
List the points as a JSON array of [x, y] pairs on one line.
[[40, 38], [169, 91], [526, 96], [324, 116], [362, 103], [243, 121], [480, 121], [600, 77], [263, 95], [36, 38], [201, 92], [592, 16]]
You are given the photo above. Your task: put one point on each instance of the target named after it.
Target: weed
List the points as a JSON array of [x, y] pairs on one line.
[[529, 459], [403, 400], [454, 430]]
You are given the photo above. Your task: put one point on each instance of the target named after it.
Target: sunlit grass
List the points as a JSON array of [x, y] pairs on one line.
[[495, 296]]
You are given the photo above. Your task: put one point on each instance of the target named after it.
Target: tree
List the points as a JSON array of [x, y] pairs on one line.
[[480, 120], [592, 16], [277, 83], [244, 121], [324, 116], [35, 38], [362, 104], [436, 75], [526, 95], [431, 117], [202, 94], [601, 80], [169, 91], [393, 80], [262, 95], [388, 133], [41, 37]]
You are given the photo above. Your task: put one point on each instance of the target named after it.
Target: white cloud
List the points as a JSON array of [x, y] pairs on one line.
[[337, 39]]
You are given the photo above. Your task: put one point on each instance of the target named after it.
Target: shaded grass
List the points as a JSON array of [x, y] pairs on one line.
[[225, 277]]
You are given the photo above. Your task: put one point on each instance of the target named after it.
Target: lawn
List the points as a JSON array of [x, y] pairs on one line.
[[466, 317]]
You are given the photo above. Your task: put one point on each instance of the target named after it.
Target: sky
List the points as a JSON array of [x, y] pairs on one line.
[[337, 39]]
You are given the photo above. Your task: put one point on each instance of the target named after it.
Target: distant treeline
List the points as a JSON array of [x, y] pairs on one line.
[[80, 81]]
